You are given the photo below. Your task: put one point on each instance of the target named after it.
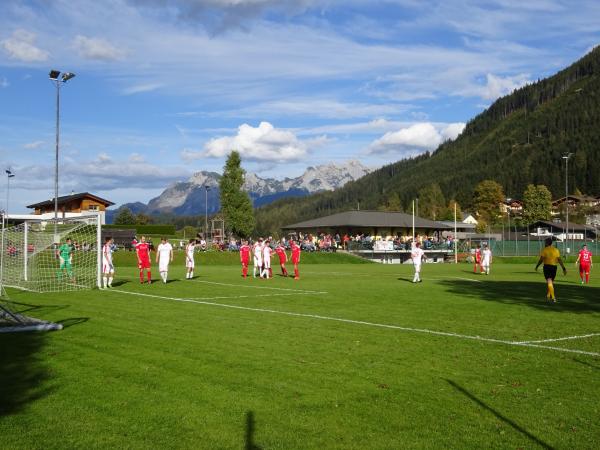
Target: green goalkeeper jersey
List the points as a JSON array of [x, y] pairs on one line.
[[64, 251]]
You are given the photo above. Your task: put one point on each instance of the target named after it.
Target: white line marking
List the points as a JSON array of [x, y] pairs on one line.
[[566, 338], [202, 300], [360, 322], [257, 287]]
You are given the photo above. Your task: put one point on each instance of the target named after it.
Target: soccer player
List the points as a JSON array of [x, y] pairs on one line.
[[164, 255], [280, 250], [584, 259], [266, 271], [245, 257], [189, 259], [65, 256], [477, 259], [257, 251], [550, 256], [417, 255], [486, 259], [142, 250], [295, 258], [108, 269]]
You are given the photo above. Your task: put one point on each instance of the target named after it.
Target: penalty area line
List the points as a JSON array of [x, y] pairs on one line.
[[356, 322], [566, 338], [258, 287]]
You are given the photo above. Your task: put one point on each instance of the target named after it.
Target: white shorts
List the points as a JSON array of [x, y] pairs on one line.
[[417, 267], [163, 265], [107, 268], [267, 264], [189, 264], [257, 262], [485, 263]]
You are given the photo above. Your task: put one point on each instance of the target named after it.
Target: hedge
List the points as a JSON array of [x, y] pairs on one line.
[[144, 229]]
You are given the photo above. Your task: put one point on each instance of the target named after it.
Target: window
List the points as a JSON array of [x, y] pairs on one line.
[[93, 208]]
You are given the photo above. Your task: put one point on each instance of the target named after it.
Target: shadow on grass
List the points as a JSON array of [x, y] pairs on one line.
[[503, 418], [593, 366], [22, 371], [571, 297], [118, 283], [249, 437], [66, 323]]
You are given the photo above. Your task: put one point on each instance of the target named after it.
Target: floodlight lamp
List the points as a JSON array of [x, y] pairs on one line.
[[54, 74], [67, 76]]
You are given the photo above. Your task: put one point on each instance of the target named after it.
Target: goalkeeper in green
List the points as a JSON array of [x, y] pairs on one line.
[[65, 256]]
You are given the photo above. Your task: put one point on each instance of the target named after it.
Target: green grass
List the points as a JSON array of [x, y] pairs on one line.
[[133, 371]]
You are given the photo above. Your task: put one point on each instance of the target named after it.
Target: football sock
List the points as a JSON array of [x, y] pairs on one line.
[[110, 281], [551, 290], [296, 273], [104, 281], [270, 272], [587, 277], [149, 276], [141, 276]]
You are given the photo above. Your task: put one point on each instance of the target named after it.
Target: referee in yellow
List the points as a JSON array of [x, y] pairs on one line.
[[550, 256]]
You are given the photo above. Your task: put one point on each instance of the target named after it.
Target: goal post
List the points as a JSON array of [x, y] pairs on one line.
[[48, 256]]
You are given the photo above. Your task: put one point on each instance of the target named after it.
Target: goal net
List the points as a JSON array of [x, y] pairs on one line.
[[48, 256]]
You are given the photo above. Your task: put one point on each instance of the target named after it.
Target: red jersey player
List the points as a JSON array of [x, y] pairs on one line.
[[477, 259], [585, 263], [142, 249], [280, 250], [245, 257], [295, 258]]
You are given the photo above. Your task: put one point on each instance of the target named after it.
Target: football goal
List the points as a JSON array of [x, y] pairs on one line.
[[47, 256]]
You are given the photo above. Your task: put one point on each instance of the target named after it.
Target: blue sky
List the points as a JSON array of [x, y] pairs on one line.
[[165, 88]]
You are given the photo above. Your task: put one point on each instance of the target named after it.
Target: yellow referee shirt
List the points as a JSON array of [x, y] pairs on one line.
[[550, 256]]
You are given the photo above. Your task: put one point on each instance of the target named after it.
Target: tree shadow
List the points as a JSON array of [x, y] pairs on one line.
[[571, 297], [22, 372], [503, 418], [249, 443]]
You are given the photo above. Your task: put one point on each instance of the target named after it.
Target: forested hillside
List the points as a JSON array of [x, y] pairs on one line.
[[520, 139]]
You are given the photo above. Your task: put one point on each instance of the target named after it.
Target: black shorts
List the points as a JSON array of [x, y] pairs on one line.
[[549, 272]]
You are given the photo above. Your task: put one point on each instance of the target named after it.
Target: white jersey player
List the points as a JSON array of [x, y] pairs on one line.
[[486, 259], [266, 260], [417, 255], [257, 250], [189, 259], [164, 255], [108, 269]]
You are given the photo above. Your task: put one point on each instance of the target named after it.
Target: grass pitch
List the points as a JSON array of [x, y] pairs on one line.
[[349, 356]]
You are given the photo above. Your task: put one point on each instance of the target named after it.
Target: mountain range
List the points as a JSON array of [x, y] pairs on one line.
[[520, 139], [190, 197]]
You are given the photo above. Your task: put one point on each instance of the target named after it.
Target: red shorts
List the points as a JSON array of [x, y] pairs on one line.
[[144, 264], [282, 261], [584, 268], [245, 262], [295, 261]]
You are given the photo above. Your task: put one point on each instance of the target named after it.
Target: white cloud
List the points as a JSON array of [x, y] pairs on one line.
[[21, 46], [144, 87], [34, 145], [96, 48], [497, 86], [136, 158], [262, 143], [415, 139]]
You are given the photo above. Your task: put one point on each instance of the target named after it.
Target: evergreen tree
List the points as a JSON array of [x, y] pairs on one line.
[[393, 202], [537, 203], [448, 213], [431, 202], [235, 203], [124, 217], [487, 199]]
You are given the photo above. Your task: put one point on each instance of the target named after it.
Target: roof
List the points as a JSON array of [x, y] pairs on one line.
[[579, 198], [462, 225], [68, 198], [368, 219], [563, 225]]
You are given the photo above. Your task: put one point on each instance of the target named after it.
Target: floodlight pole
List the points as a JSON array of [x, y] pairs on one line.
[[206, 189], [455, 237], [566, 157], [57, 79], [413, 223]]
